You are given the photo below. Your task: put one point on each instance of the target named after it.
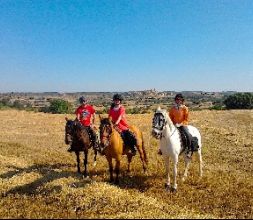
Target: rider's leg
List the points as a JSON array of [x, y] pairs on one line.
[[94, 138], [189, 140], [129, 140]]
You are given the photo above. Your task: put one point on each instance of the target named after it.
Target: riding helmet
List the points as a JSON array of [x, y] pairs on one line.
[[82, 99], [179, 96], [117, 97]]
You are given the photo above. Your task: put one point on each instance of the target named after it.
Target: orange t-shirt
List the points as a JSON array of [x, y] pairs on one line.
[[179, 115]]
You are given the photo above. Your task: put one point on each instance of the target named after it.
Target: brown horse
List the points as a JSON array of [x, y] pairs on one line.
[[114, 148], [78, 138]]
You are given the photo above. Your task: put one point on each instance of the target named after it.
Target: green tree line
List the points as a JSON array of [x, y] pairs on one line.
[[239, 101]]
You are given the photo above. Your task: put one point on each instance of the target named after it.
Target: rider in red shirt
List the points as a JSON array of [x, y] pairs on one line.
[[118, 116], [86, 113]]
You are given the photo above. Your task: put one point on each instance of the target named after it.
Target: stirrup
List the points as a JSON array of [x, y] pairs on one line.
[[102, 150], [189, 154], [70, 149], [159, 152], [133, 152]]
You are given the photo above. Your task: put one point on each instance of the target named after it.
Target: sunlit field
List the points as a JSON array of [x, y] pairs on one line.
[[38, 177]]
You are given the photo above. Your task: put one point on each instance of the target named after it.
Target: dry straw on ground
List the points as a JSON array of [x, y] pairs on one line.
[[38, 177]]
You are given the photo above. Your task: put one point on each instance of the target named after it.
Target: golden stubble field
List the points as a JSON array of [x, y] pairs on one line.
[[38, 176]]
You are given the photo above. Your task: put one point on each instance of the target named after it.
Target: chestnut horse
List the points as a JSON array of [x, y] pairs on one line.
[[78, 138], [112, 143]]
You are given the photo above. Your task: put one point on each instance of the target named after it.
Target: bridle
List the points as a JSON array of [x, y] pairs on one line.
[[69, 131], [105, 128], [159, 124]]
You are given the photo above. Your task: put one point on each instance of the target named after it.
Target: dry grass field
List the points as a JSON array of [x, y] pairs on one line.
[[38, 177]]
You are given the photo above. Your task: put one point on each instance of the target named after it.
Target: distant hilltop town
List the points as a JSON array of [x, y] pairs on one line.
[[146, 99]]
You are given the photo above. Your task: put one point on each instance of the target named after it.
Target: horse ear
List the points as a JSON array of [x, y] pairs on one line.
[[159, 108], [100, 118], [66, 119]]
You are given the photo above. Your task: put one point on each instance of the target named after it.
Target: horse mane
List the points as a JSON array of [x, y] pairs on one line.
[[105, 121]]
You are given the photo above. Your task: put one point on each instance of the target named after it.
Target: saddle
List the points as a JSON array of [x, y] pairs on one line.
[[129, 139], [191, 145], [92, 135]]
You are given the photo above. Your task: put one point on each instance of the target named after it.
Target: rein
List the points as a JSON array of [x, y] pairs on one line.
[[163, 136], [175, 129]]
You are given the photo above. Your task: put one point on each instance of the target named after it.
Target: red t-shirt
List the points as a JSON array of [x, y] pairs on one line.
[[85, 114], [115, 114]]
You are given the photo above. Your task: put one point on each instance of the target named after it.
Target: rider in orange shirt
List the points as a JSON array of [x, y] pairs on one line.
[[179, 115]]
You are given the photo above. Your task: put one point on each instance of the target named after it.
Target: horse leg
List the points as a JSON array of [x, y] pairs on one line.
[[200, 163], [117, 170], [167, 168], [78, 161], [95, 158], [109, 159], [129, 159], [85, 162], [187, 162], [143, 158], [174, 185]]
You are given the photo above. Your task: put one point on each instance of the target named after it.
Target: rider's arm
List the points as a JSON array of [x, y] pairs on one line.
[[78, 115], [93, 118], [171, 114], [121, 115], [118, 120], [186, 116]]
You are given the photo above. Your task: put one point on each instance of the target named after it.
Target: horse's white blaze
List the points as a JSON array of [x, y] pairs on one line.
[[170, 144]]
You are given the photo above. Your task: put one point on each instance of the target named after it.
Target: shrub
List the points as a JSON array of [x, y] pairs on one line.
[[239, 101], [59, 106]]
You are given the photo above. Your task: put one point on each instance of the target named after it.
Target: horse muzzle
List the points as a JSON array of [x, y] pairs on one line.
[[156, 134], [68, 139]]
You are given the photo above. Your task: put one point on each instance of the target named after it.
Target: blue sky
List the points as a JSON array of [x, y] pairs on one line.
[[121, 45]]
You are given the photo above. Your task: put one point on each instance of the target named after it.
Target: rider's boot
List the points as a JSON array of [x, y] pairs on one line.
[[133, 150], [70, 149], [159, 152]]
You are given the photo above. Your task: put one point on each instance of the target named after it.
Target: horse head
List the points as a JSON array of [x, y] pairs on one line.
[[159, 123], [69, 130], [105, 130]]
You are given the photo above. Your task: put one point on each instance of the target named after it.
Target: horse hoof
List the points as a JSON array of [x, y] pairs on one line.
[[167, 187], [173, 190], [183, 179], [86, 176]]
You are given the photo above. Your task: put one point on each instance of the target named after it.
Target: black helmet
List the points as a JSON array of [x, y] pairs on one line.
[[179, 96], [117, 97], [82, 99]]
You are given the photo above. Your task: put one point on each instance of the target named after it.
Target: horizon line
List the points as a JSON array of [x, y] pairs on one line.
[[64, 92]]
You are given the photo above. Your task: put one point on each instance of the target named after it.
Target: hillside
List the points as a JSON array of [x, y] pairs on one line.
[[38, 176], [145, 100]]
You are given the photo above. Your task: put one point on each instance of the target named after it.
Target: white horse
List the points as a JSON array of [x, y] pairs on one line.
[[171, 145]]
